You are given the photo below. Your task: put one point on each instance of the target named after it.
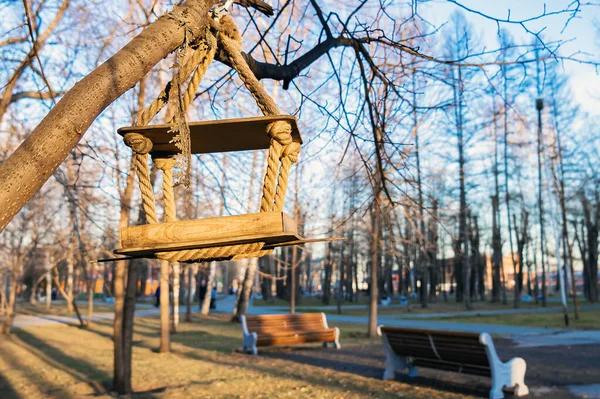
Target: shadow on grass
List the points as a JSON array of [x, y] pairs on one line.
[[6, 389], [324, 380], [78, 368], [339, 361]]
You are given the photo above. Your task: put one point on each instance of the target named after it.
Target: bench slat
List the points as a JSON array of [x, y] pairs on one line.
[[274, 330], [451, 350], [451, 366]]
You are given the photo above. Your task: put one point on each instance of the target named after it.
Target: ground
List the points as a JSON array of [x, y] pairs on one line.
[[589, 319], [71, 362], [59, 308]]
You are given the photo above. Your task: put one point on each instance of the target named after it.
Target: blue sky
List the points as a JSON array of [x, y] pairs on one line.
[[580, 35]]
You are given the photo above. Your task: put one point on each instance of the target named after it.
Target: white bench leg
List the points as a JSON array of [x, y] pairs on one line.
[[336, 343], [394, 362], [510, 374], [496, 392], [250, 343], [517, 376]]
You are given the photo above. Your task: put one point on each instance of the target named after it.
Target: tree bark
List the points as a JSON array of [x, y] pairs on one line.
[[374, 291], [496, 251], [293, 277], [176, 287], [12, 296], [120, 384], [128, 320], [539, 106], [69, 287], [190, 297], [165, 333], [210, 281], [242, 307], [91, 293]]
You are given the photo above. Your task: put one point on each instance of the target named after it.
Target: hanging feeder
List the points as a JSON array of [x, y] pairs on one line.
[[217, 238], [270, 228]]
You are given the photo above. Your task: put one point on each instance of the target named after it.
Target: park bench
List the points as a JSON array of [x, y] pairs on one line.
[[470, 353], [279, 329]]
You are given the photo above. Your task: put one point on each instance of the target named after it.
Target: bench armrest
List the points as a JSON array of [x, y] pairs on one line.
[[325, 324], [510, 374], [244, 325]]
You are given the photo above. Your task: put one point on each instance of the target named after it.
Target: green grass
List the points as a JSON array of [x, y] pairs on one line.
[[305, 301], [59, 308], [588, 320], [415, 308], [315, 305]]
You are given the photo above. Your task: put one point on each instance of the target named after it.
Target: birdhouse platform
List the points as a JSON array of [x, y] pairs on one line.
[[227, 135], [272, 228]]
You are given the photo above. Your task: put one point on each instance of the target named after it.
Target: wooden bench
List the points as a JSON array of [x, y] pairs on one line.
[[471, 353], [278, 329]]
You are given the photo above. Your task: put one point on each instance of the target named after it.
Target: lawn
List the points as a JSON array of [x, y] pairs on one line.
[[308, 301], [59, 308], [71, 362], [589, 320], [415, 308]]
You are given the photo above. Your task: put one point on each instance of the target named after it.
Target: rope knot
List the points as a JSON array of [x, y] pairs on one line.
[[230, 30], [292, 151], [138, 143], [280, 131], [165, 163]]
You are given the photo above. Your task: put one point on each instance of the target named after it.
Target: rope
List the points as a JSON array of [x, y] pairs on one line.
[[280, 131], [201, 59], [231, 41], [141, 146], [167, 165], [289, 157], [213, 253], [273, 162]]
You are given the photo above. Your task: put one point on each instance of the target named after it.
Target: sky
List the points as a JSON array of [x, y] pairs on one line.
[[580, 36]]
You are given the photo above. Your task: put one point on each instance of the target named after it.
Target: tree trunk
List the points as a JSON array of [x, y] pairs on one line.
[[91, 293], [496, 251], [539, 106], [12, 296], [328, 272], [176, 287], [128, 320], [120, 384], [165, 332], [210, 281], [246, 288], [70, 275], [293, 277], [190, 297], [373, 286], [592, 219], [48, 280]]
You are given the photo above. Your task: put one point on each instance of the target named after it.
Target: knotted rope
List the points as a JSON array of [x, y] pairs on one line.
[[283, 152], [167, 165], [197, 63], [289, 157], [141, 146], [280, 131]]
